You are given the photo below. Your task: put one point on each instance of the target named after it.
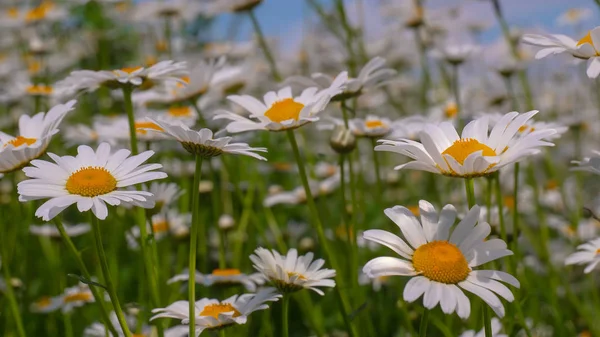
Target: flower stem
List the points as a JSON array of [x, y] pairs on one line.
[[515, 246], [456, 91], [194, 244], [377, 170], [127, 90], [470, 192], [319, 227], [426, 78], [487, 322], [10, 295], [97, 295], [285, 306], [107, 279], [424, 323], [264, 46], [500, 205]]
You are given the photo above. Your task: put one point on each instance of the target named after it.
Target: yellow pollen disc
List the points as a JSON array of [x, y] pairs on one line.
[[150, 60], [34, 67], [129, 70], [523, 128], [12, 12], [77, 297], [415, 210], [462, 148], [586, 39], [441, 261], [374, 124], [181, 111], [91, 182], [138, 335], [140, 126], [226, 272], [39, 90], [300, 276], [551, 184], [214, 310], [509, 202], [161, 46], [281, 166], [284, 110], [20, 140], [585, 333], [43, 302], [160, 227], [597, 251], [451, 110]]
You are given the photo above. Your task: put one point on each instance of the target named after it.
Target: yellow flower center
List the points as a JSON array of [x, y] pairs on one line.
[[598, 251], [39, 90], [573, 14], [150, 60], [374, 124], [161, 46], [43, 302], [586, 39], [300, 276], [284, 110], [551, 184], [12, 12], [77, 297], [20, 140], [462, 148], [181, 111], [141, 126], [441, 261], [34, 67], [415, 210], [160, 226], [38, 13], [91, 182], [226, 272], [214, 310], [451, 110], [509, 202], [130, 70]]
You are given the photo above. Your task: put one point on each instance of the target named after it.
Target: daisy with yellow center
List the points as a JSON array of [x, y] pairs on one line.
[[372, 126], [39, 90], [223, 277], [588, 254], [477, 152], [291, 272], [440, 258], [91, 180], [35, 133], [214, 314], [280, 110], [76, 296], [587, 48], [169, 222]]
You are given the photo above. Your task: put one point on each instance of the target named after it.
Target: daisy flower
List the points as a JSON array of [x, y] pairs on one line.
[[589, 253], [202, 142], [280, 110], [215, 314], [76, 296], [291, 272], [439, 261], [226, 277], [91, 180], [588, 164], [586, 48], [34, 137], [165, 223], [48, 230], [117, 129], [46, 304], [476, 152], [496, 327], [165, 194], [574, 16], [372, 126]]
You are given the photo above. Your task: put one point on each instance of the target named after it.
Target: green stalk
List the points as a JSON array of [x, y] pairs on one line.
[[10, 295], [97, 295], [107, 279], [426, 80], [194, 244], [424, 323], [285, 305], [320, 232], [377, 170], [515, 246], [127, 90], [470, 192], [487, 321], [456, 91], [199, 112], [264, 46], [222, 333], [500, 205], [168, 36]]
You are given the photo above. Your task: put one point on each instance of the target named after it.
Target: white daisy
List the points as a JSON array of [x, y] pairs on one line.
[[91, 180], [171, 222], [165, 194], [477, 152], [589, 253], [202, 142], [34, 137], [76, 296], [280, 110], [51, 231], [496, 327], [225, 277], [588, 164], [46, 304], [574, 16], [372, 126], [292, 272], [117, 129], [441, 262], [215, 314], [587, 48]]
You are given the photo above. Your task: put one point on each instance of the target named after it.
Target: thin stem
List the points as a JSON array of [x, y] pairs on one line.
[[222, 333], [107, 279], [510, 89], [426, 78], [515, 246], [456, 91], [168, 36], [264, 46], [199, 112], [319, 227], [127, 89], [424, 323], [500, 206], [487, 322], [285, 305], [377, 169], [97, 295], [470, 192], [194, 244], [10, 295]]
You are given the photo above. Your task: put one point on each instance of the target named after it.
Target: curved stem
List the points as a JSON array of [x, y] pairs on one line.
[[194, 244], [264, 46], [285, 305], [107, 279], [424, 323], [97, 295]]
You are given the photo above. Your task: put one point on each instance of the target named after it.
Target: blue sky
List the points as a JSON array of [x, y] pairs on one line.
[[283, 18]]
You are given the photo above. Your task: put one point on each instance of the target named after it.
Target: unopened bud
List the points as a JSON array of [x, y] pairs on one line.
[[306, 244], [226, 222], [342, 140]]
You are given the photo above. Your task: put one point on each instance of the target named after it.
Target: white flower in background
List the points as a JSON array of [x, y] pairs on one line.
[[376, 282], [46, 304], [34, 137], [456, 53], [372, 126], [202, 142], [291, 272], [496, 327], [165, 194], [215, 7], [91, 180], [574, 16], [49, 230], [223, 277], [72, 297], [587, 48], [214, 314], [280, 110], [170, 222], [588, 253], [588, 164], [476, 152], [117, 130], [439, 261], [79, 134]]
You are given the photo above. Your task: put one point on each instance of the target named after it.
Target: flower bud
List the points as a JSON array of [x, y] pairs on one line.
[[226, 222], [342, 140]]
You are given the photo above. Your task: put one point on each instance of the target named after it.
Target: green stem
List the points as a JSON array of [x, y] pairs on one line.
[[222, 333], [107, 279], [199, 112], [500, 205], [424, 323], [194, 243], [470, 192], [319, 227], [515, 246], [68, 325], [511, 92], [168, 36], [10, 295], [426, 78], [377, 170], [264, 46], [456, 91], [285, 305], [127, 90], [97, 295], [487, 322]]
